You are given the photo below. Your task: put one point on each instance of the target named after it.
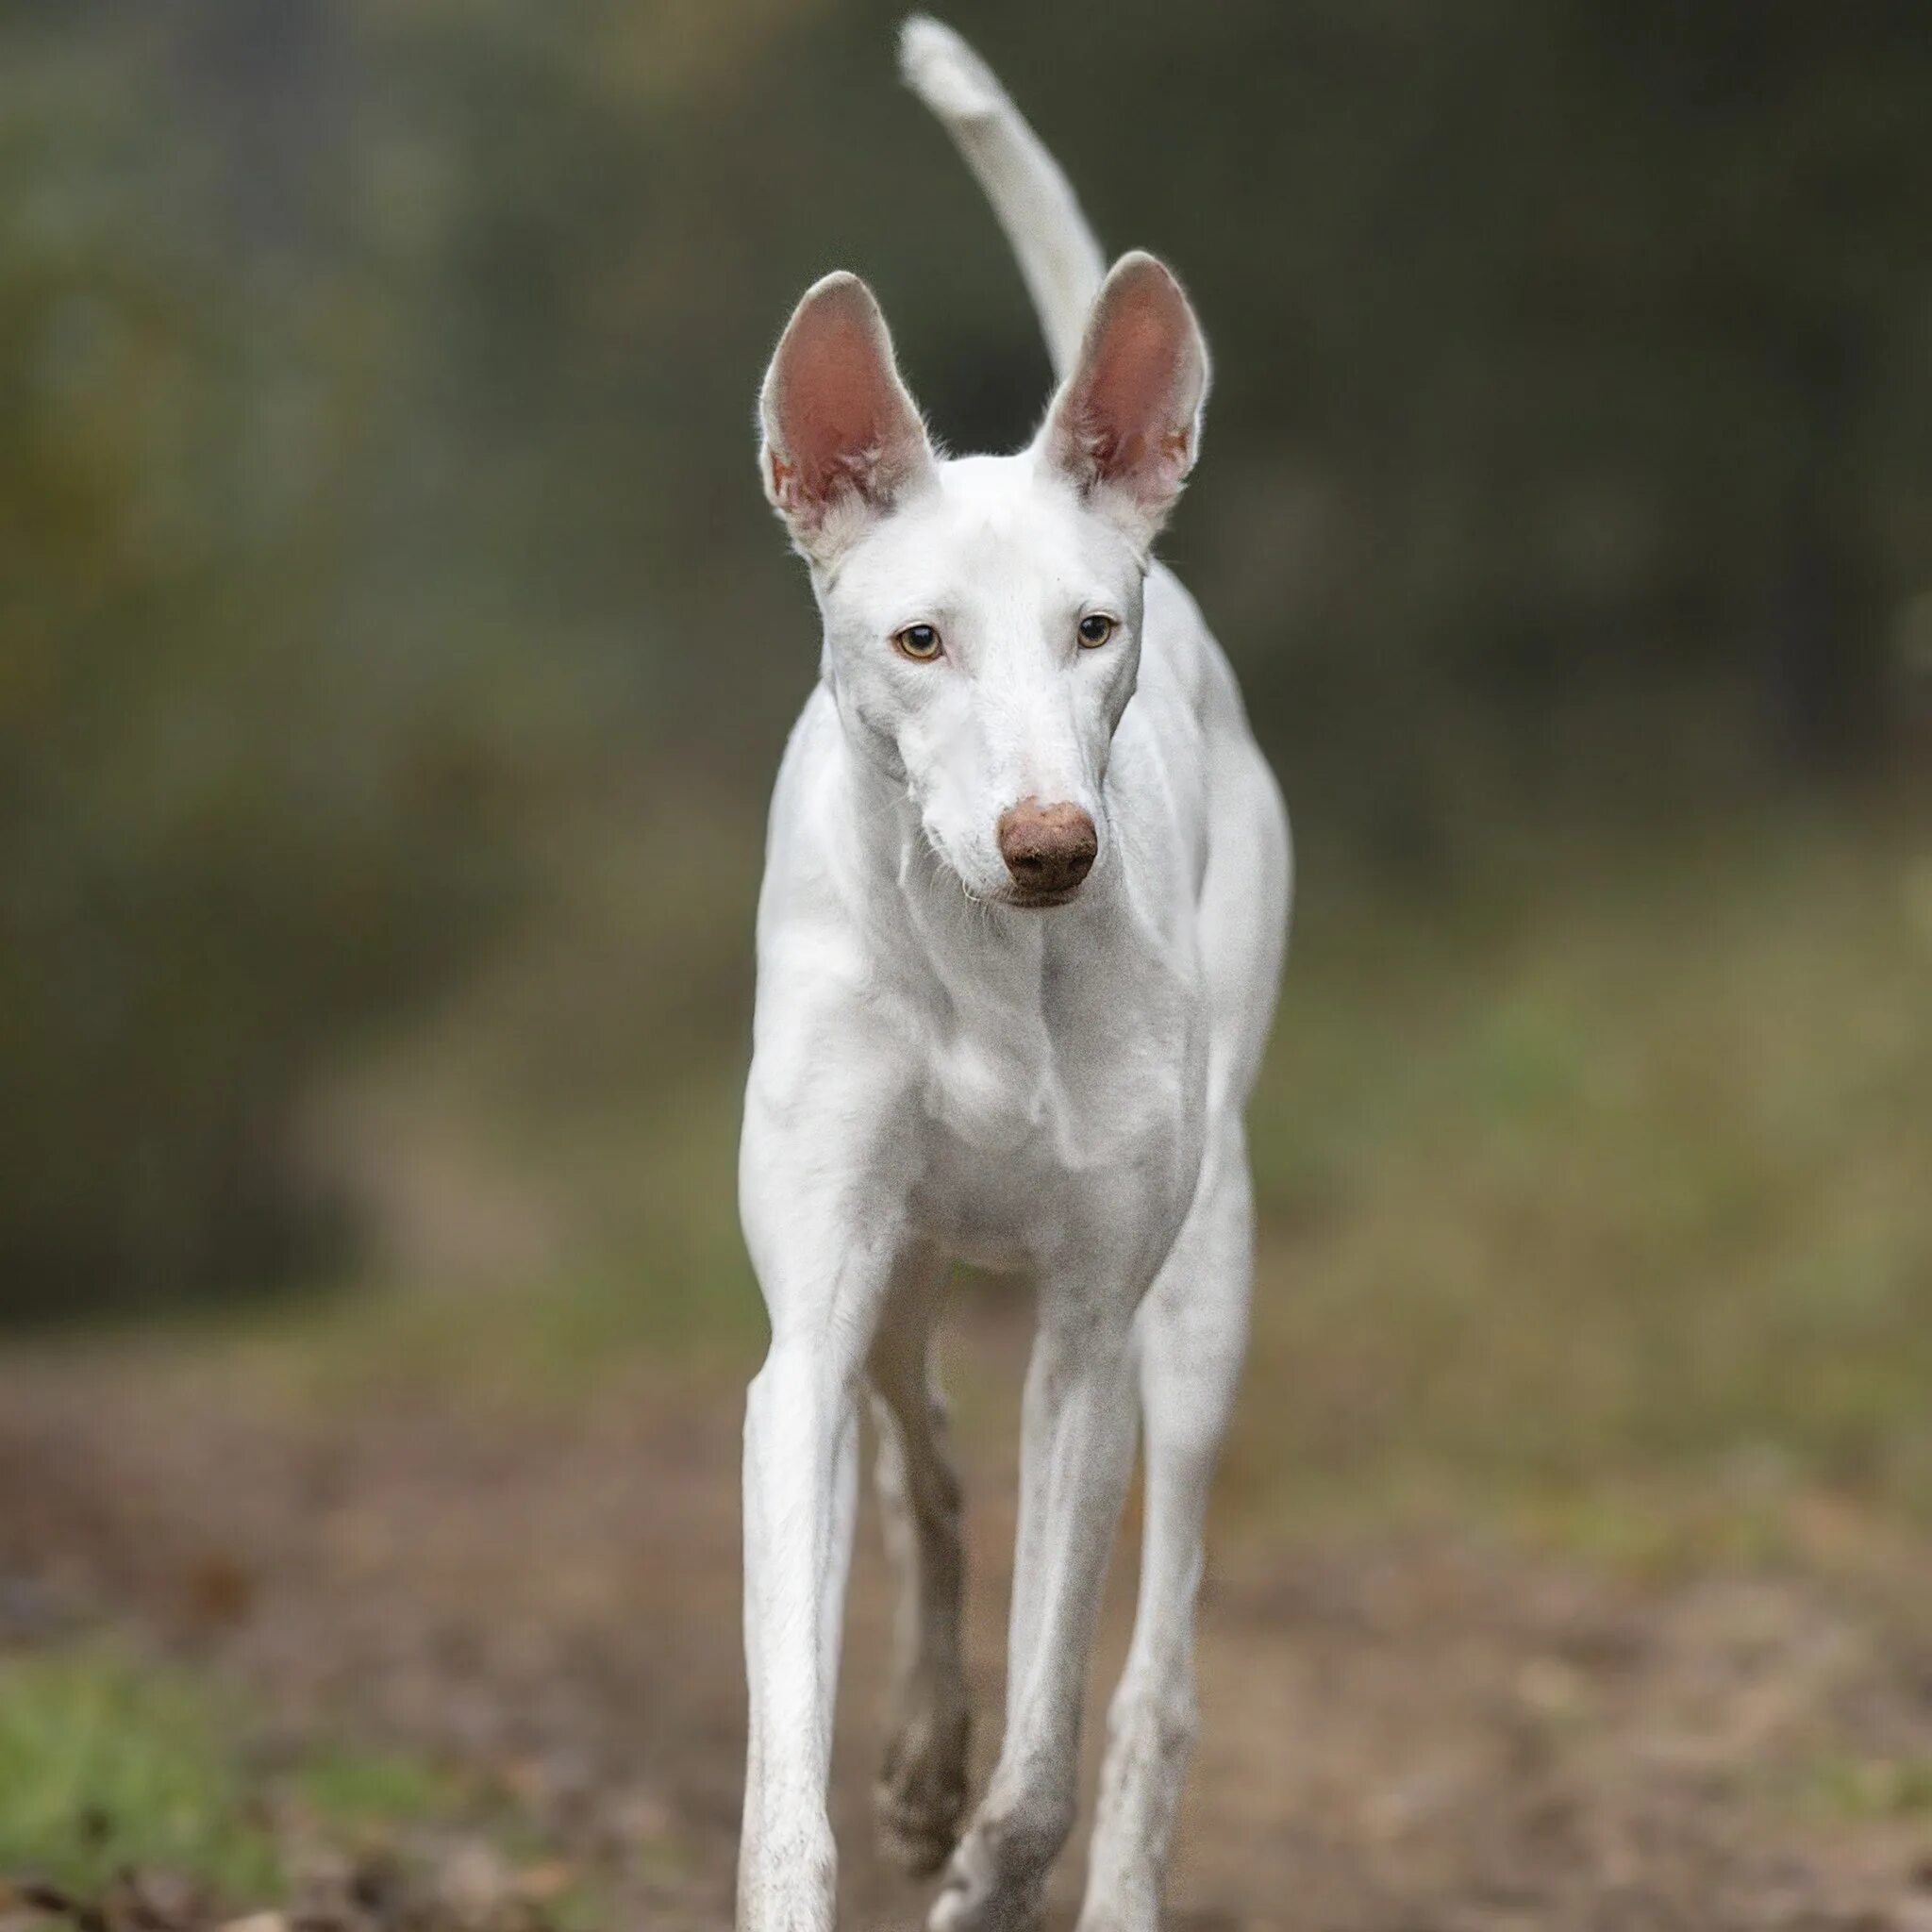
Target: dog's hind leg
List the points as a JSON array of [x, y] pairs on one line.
[[1191, 1335], [921, 1787]]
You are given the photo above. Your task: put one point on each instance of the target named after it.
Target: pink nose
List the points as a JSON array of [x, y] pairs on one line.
[[1048, 848]]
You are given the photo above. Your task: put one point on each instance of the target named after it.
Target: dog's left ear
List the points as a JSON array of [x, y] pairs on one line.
[[1125, 427], [843, 440]]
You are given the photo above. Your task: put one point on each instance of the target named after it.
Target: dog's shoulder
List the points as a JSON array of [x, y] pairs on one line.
[[1184, 661]]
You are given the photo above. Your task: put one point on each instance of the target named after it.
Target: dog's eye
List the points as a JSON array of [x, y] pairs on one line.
[[1095, 630], [919, 641]]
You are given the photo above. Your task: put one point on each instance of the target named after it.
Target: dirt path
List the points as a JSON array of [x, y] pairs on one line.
[[1402, 1733]]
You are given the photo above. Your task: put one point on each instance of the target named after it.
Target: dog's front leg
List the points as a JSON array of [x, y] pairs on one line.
[[1190, 1338], [1076, 1450], [799, 1472], [825, 1277]]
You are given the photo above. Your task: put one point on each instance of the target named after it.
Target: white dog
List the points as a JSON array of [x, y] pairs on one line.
[[1025, 904]]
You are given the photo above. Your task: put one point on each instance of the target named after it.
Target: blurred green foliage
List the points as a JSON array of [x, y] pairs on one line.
[[378, 536], [114, 1763], [109, 1764]]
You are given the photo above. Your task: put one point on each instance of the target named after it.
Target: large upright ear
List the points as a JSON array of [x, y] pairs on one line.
[[1125, 427], [842, 439]]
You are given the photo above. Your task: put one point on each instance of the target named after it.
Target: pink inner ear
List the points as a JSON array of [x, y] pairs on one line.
[[1129, 394], [840, 418], [1127, 415]]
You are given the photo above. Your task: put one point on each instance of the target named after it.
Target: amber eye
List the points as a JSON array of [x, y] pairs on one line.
[[1095, 630], [919, 641]]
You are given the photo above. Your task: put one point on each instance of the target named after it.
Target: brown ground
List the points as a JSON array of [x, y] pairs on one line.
[[1404, 1731]]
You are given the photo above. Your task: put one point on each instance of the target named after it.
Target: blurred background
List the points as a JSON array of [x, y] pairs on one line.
[[395, 653]]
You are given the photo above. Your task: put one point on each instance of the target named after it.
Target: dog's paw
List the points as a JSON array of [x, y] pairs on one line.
[[914, 1840], [921, 1793], [946, 73], [997, 1880], [974, 1902]]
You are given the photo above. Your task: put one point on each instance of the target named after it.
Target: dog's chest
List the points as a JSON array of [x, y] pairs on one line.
[[995, 1087], [1035, 1098]]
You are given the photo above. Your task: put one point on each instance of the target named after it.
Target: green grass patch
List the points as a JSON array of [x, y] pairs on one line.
[[351, 1789], [105, 1763], [1869, 1788], [109, 1762]]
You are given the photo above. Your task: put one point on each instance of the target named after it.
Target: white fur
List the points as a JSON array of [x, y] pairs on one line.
[[940, 1072]]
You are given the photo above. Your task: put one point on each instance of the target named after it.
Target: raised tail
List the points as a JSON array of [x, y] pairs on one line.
[[1059, 255]]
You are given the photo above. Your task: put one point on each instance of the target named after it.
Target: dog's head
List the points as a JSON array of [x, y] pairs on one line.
[[982, 617]]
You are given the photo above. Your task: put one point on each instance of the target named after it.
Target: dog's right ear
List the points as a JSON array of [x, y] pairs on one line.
[[843, 439]]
